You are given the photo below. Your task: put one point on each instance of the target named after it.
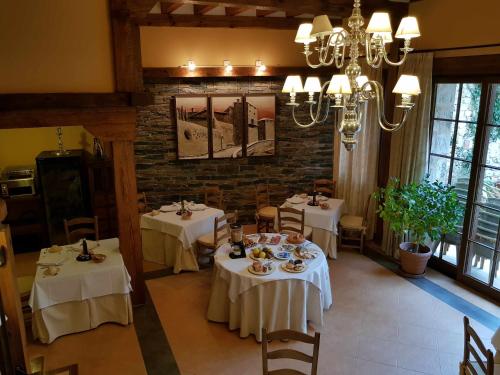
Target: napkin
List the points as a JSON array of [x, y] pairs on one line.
[[169, 208], [197, 207], [51, 259]]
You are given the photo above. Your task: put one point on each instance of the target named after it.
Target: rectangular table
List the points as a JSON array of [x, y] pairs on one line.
[[82, 295], [323, 222], [171, 241]]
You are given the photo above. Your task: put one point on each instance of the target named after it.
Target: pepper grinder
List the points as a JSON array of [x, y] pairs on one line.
[[85, 255]]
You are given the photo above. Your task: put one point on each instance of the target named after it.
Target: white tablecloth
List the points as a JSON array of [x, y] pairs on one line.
[[323, 222], [82, 295], [169, 240], [281, 300]]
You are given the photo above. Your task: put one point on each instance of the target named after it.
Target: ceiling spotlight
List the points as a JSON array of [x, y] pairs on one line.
[[228, 68], [191, 65], [259, 65]]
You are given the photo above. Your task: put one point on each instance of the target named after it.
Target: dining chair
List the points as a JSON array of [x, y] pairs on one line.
[[24, 286], [214, 197], [325, 186], [478, 365], [289, 334], [210, 242], [265, 213], [84, 226], [142, 203], [293, 220], [352, 229]]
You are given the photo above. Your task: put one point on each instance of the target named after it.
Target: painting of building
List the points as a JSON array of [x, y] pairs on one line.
[[261, 119], [192, 127], [227, 126]]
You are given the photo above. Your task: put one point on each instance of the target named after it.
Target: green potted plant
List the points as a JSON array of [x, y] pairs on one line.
[[418, 213]]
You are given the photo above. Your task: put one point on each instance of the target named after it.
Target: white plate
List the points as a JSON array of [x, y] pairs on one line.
[[295, 200], [197, 207], [251, 256], [321, 198], [270, 271], [169, 208], [283, 267], [314, 252]]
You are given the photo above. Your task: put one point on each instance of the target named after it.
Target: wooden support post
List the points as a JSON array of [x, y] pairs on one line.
[[128, 214], [11, 299]]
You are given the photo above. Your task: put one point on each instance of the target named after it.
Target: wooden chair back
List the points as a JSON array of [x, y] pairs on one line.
[[288, 334], [289, 217], [262, 196], [485, 363], [213, 197], [232, 217], [325, 187], [221, 230], [81, 227], [142, 203]]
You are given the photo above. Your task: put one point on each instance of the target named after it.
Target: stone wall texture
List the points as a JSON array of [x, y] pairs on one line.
[[302, 154]]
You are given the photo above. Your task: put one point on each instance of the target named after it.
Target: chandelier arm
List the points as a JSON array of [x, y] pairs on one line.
[[372, 61], [382, 121], [313, 122], [311, 65], [315, 118], [397, 63]]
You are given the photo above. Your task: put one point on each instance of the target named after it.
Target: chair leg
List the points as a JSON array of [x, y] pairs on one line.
[[362, 241]]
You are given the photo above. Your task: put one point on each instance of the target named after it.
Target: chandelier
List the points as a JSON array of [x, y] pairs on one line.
[[347, 92]]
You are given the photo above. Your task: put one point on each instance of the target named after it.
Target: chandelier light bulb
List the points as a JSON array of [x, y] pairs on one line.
[[408, 28], [379, 23], [304, 34], [191, 65], [311, 86], [321, 26], [339, 84]]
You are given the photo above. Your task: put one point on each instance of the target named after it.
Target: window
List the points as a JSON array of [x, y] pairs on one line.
[[454, 125], [465, 152]]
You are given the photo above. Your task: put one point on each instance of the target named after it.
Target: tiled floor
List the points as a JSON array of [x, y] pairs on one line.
[[379, 324]]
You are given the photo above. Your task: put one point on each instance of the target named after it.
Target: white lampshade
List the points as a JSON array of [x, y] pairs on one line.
[[339, 84], [336, 36], [407, 85], [361, 80], [292, 84], [321, 26], [386, 37], [304, 34], [312, 85], [408, 28], [379, 23]]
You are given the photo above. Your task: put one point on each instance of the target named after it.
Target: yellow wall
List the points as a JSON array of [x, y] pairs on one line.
[[173, 46], [453, 23], [21, 146], [55, 46]]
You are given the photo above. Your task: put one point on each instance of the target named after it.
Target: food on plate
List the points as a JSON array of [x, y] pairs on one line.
[[275, 240], [305, 253], [295, 265], [257, 266], [262, 238], [248, 242], [295, 238], [264, 253]]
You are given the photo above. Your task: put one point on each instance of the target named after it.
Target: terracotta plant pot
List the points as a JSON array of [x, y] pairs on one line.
[[413, 263]]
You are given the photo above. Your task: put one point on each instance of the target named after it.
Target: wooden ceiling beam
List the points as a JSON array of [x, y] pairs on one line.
[[187, 20], [265, 12], [168, 7], [200, 9], [234, 11]]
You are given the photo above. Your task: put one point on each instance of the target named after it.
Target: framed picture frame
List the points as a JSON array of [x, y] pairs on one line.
[[227, 122], [260, 124], [192, 122]]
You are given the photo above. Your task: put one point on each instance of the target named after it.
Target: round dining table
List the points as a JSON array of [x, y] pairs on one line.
[[279, 300]]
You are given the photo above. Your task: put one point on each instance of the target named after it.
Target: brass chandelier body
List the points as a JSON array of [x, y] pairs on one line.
[[347, 92]]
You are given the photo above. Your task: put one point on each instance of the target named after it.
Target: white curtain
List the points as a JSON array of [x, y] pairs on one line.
[[410, 144], [356, 171]]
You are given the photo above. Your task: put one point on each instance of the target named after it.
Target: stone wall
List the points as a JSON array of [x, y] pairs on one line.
[[302, 155]]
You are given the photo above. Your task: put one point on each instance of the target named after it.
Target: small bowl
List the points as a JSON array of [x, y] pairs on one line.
[[324, 206], [186, 215], [154, 213], [98, 258]]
